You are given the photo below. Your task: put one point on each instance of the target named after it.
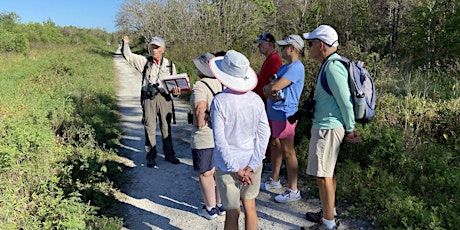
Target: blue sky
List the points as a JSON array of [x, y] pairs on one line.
[[99, 14]]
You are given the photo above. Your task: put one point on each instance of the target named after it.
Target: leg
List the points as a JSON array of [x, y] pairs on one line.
[[229, 189], [207, 185], [251, 221], [218, 200], [327, 196], [231, 219], [289, 155], [165, 115], [277, 157], [149, 121]]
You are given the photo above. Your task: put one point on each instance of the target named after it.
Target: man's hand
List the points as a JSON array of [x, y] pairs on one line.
[[268, 91], [352, 137], [125, 39], [245, 176], [176, 91]]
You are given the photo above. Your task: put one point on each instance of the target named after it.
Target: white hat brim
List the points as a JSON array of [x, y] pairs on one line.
[[231, 82]]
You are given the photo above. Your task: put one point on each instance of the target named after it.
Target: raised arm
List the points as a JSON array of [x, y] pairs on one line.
[[136, 60]]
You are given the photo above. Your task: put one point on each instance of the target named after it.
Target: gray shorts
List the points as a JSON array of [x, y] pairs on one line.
[[203, 160], [232, 191], [323, 152]]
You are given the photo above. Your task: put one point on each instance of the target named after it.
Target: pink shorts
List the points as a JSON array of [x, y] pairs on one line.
[[282, 129]]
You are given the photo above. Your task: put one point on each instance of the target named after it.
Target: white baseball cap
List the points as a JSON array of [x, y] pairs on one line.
[[325, 33], [157, 41], [234, 71], [292, 39]]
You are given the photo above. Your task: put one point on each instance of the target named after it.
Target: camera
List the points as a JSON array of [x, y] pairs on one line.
[[152, 90], [306, 110], [190, 117]]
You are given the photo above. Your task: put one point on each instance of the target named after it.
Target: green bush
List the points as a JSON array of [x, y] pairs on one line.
[[10, 42], [56, 118]]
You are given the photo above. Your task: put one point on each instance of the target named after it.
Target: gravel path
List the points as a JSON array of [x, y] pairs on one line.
[[167, 197]]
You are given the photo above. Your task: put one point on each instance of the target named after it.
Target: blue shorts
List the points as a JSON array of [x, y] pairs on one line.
[[203, 160]]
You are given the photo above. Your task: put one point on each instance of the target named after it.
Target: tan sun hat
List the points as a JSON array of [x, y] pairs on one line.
[[202, 63]]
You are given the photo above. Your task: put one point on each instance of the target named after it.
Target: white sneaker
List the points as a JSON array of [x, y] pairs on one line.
[[270, 184], [288, 196]]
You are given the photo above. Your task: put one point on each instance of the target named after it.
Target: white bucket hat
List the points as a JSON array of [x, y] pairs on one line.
[[325, 33], [202, 63], [234, 71]]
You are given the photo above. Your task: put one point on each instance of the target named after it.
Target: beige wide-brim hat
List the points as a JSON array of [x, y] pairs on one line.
[[202, 63], [234, 71]]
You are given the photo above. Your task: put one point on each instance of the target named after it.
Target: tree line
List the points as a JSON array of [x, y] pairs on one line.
[[418, 33]]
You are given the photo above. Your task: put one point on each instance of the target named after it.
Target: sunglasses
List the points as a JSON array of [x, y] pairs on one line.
[[283, 47], [264, 37], [155, 47]]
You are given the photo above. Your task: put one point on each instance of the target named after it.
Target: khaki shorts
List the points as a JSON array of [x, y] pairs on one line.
[[323, 152], [232, 191]]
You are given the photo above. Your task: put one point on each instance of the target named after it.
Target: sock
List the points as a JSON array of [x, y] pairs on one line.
[[329, 223], [335, 212], [219, 205], [294, 191], [209, 208]]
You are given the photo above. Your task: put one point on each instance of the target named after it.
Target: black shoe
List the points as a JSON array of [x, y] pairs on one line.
[[151, 163], [173, 160], [315, 217]]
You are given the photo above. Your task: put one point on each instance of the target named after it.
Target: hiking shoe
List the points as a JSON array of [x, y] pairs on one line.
[[173, 160], [270, 184], [207, 214], [220, 210], [315, 217], [151, 163], [288, 196], [320, 226]]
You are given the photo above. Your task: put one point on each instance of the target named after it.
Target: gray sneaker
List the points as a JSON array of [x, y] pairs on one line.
[[270, 184], [288, 196]]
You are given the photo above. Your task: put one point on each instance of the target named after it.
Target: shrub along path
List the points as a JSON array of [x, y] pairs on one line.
[[167, 197]]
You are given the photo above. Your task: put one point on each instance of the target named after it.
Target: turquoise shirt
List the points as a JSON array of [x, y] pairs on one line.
[[333, 111]]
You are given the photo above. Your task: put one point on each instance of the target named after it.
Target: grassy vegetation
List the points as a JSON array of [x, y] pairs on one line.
[[406, 172], [58, 134], [57, 113]]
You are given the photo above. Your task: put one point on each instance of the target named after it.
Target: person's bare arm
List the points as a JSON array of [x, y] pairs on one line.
[[200, 112]]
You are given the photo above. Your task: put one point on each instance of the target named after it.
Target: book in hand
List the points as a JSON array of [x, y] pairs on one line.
[[180, 80]]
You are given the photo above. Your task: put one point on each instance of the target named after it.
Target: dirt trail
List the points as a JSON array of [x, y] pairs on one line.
[[168, 197]]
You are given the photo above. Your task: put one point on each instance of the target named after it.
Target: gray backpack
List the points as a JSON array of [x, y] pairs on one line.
[[361, 86]]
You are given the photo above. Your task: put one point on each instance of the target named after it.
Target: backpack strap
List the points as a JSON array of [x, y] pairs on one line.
[[170, 67], [213, 93], [323, 78]]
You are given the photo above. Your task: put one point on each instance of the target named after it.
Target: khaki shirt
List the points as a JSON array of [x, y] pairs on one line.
[[202, 137], [155, 73]]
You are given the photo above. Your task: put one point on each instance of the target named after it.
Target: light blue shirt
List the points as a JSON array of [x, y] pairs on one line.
[[333, 111], [280, 110], [240, 130]]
